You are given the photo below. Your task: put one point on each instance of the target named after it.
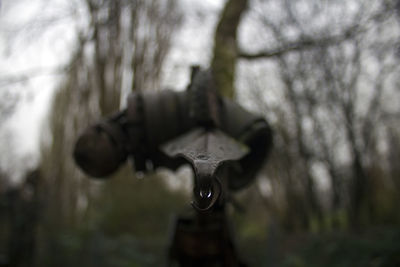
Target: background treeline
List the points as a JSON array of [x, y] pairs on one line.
[[323, 73]]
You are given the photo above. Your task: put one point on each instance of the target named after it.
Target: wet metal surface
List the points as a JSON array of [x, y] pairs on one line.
[[206, 150]]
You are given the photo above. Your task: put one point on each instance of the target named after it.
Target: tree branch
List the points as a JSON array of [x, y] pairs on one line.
[[300, 45], [24, 76]]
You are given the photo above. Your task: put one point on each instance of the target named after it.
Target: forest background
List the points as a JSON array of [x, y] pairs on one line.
[[323, 73]]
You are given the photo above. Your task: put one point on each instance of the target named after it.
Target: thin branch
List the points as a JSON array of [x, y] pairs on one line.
[[310, 43], [299, 45], [24, 76]]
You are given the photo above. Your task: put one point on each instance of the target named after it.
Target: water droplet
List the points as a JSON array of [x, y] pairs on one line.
[[205, 193]]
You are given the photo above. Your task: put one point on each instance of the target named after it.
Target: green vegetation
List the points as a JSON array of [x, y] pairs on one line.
[[126, 224], [374, 248]]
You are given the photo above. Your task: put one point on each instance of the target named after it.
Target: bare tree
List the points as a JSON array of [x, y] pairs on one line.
[[332, 100], [122, 49]]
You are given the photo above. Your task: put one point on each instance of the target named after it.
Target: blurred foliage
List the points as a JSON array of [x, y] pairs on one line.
[[375, 247], [330, 192], [123, 226], [142, 207], [121, 48]]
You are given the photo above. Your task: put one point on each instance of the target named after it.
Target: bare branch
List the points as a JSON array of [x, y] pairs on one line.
[[300, 45], [24, 76]]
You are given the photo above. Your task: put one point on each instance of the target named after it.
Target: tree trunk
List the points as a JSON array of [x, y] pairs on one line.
[[360, 181], [226, 48]]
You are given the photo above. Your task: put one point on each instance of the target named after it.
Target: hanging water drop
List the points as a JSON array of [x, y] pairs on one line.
[[205, 193]]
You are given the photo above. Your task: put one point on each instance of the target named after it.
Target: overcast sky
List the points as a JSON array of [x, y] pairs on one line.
[[28, 47]]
